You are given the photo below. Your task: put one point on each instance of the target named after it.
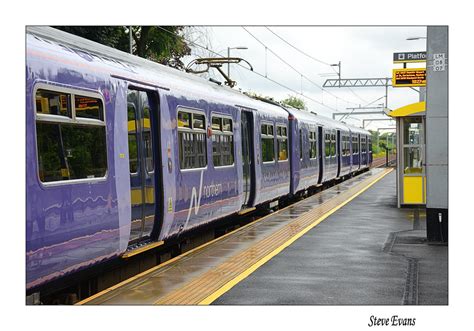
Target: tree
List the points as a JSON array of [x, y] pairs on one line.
[[160, 44], [294, 102]]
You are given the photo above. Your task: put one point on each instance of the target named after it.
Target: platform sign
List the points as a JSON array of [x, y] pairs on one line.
[[409, 77], [409, 57], [439, 62]]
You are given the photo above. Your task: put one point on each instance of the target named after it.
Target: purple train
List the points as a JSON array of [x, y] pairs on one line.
[[122, 151]]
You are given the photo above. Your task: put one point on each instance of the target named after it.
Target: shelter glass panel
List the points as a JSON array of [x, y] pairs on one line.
[[413, 160], [412, 131]]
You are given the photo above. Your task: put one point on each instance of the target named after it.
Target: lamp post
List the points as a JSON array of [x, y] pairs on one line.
[[128, 29], [130, 38], [228, 56], [416, 38], [339, 71]]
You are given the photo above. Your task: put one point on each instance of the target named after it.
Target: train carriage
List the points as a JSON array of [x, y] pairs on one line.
[[306, 154], [361, 153]]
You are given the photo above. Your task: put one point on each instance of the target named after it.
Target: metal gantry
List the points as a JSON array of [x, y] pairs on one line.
[[358, 82], [374, 119], [344, 114], [361, 82]]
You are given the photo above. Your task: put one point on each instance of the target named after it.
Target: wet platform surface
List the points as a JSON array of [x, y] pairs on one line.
[[369, 252], [195, 277]]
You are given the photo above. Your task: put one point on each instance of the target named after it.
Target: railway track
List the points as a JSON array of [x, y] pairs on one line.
[[380, 161]]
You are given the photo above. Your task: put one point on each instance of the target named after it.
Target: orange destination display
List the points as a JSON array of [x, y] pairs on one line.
[[409, 77]]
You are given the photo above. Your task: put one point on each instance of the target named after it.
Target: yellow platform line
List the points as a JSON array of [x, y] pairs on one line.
[[164, 264], [175, 259], [214, 296]]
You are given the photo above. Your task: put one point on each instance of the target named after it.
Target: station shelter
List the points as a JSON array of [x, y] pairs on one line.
[[411, 171]]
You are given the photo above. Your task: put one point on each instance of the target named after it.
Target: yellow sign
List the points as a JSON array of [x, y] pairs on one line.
[[409, 77], [170, 205]]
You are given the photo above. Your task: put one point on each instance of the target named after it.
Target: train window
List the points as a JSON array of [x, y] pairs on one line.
[[192, 140], [348, 148], [53, 103], [147, 139], [132, 138], [87, 107], [313, 146], [301, 144], [216, 123], [268, 147], [282, 143], [226, 125], [71, 149], [198, 121], [343, 145], [327, 144], [355, 145], [184, 120], [370, 145], [333, 144], [222, 141]]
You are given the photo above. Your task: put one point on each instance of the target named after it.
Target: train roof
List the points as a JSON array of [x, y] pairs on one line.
[[322, 120], [132, 67]]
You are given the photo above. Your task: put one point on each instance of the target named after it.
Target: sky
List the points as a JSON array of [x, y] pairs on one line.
[[364, 52]]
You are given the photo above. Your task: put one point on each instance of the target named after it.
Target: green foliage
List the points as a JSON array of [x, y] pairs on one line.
[[150, 42], [294, 102]]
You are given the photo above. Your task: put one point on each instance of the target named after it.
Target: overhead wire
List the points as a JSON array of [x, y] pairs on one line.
[[347, 116], [317, 60], [299, 50], [294, 69], [253, 71]]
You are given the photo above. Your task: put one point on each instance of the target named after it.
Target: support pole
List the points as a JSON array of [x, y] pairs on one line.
[[437, 134]]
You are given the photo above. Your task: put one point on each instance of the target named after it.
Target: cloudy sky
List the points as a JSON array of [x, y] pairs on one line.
[[364, 52]]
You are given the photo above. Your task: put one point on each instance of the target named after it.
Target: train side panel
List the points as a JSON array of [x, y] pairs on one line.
[[202, 193], [305, 155], [345, 153], [70, 224], [272, 159]]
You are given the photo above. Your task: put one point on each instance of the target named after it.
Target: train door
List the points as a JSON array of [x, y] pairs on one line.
[[320, 154], [140, 110], [247, 157], [359, 149], [338, 152]]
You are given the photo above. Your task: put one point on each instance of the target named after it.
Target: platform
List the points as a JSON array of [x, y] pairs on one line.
[[346, 245], [368, 253]]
